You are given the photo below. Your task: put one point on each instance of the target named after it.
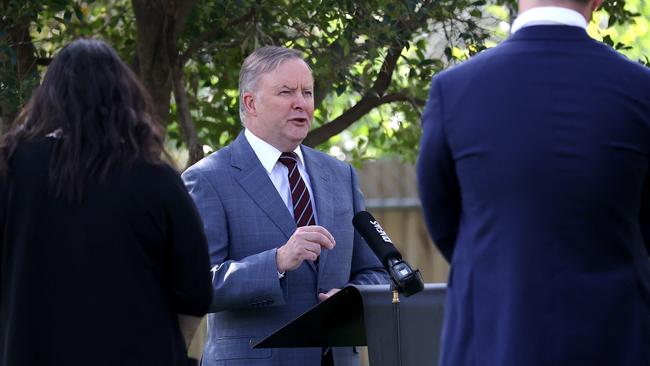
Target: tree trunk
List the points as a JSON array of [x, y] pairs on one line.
[[159, 24], [185, 118], [153, 60], [19, 78]]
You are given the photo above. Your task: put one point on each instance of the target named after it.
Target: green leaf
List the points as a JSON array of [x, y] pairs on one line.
[[224, 138], [341, 89], [78, 13], [608, 40], [67, 16], [412, 73], [448, 53]]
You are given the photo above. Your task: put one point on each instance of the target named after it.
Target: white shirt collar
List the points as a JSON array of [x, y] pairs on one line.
[[549, 15], [267, 153]]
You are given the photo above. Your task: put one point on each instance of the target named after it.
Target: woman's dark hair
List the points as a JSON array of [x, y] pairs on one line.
[[99, 114]]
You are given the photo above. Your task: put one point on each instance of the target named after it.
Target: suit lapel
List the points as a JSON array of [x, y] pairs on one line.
[[254, 179], [320, 179]]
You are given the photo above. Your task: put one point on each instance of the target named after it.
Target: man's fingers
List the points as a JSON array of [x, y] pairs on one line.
[[322, 238], [318, 229], [329, 235], [305, 244], [309, 252], [312, 248], [312, 256], [325, 296]]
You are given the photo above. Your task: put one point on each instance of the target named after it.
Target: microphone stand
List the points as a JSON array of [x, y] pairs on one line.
[[396, 317], [406, 281]]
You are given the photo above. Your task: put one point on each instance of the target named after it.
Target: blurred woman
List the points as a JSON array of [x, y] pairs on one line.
[[101, 246]]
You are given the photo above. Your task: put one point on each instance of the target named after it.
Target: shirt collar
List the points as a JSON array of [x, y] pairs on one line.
[[549, 15], [267, 153]]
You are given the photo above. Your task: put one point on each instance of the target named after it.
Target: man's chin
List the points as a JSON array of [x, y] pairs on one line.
[[298, 134], [291, 142]]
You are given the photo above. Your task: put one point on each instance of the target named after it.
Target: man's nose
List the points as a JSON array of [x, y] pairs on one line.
[[299, 102]]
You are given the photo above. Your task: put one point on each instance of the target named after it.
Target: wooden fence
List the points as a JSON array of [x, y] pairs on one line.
[[390, 190]]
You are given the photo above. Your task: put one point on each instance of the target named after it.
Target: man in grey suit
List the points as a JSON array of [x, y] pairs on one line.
[[278, 217]]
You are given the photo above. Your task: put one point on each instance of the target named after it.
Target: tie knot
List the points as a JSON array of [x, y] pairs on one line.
[[289, 159]]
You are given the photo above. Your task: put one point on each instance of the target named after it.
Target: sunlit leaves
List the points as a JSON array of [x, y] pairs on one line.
[[345, 42]]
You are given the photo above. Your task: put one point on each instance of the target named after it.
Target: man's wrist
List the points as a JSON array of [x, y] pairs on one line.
[[281, 272]]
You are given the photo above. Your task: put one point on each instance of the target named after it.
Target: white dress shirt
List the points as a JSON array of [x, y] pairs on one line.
[[278, 172], [549, 15]]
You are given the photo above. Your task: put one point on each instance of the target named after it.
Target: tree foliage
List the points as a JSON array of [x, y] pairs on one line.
[[372, 60]]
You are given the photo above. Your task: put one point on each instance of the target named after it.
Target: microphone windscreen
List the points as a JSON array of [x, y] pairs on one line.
[[376, 237]]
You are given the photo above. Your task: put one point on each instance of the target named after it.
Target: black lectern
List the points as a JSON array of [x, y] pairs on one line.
[[399, 331]]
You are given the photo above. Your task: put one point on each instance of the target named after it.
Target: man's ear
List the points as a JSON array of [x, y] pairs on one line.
[[249, 103]]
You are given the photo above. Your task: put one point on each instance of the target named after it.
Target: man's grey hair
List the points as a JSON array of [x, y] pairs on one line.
[[261, 61]]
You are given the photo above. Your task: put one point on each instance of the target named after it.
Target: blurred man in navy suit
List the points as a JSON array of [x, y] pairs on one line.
[[534, 180]]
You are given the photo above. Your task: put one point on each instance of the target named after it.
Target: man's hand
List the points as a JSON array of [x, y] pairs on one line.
[[323, 297], [305, 244]]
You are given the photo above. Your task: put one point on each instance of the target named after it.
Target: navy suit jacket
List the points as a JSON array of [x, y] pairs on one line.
[[534, 180], [246, 221]]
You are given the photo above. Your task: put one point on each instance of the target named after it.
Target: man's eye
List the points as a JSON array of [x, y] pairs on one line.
[[285, 92], [307, 92]]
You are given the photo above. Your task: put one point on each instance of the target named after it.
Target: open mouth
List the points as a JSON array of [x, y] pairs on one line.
[[298, 120]]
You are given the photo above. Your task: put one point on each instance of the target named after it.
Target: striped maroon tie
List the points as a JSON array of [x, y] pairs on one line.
[[303, 213]]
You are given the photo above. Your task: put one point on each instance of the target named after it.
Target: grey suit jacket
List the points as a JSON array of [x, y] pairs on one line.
[[246, 221]]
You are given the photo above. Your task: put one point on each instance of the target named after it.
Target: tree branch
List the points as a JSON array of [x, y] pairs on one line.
[[176, 20], [339, 61], [373, 98], [43, 61], [185, 123], [365, 105], [386, 71], [212, 33]]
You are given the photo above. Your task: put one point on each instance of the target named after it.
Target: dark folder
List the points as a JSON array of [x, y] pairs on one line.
[[404, 333]]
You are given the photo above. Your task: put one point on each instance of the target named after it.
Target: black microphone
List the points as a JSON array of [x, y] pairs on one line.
[[405, 279]]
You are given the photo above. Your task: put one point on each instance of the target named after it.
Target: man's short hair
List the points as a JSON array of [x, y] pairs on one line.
[[261, 61]]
